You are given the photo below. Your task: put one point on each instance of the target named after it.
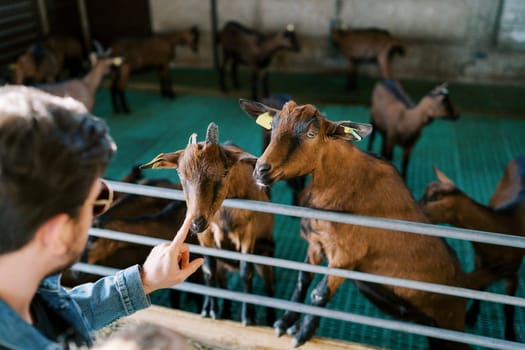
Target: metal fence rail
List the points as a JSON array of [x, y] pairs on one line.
[[281, 209]]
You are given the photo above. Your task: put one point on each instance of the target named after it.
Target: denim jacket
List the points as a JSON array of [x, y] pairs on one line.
[[87, 307]]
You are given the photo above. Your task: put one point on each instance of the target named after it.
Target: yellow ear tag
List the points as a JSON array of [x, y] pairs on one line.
[[117, 61], [351, 131], [265, 120]]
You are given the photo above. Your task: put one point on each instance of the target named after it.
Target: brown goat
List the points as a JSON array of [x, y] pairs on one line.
[[155, 52], [444, 203], [400, 122], [43, 62], [210, 173], [83, 89], [242, 45], [345, 179], [368, 44]]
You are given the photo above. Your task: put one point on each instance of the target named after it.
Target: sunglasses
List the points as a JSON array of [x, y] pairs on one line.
[[103, 201]]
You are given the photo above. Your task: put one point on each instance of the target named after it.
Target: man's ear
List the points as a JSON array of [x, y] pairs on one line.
[[51, 234], [349, 130]]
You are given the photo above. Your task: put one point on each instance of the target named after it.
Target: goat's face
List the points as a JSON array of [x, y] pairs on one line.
[[441, 104], [439, 202], [290, 39], [299, 134], [204, 170]]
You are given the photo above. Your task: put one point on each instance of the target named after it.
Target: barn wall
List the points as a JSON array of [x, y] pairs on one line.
[[455, 40]]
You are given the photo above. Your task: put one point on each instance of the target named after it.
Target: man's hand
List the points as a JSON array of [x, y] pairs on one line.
[[169, 263]]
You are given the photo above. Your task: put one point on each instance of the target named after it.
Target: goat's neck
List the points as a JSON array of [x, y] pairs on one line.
[[347, 179], [419, 115], [94, 76], [241, 183], [473, 215], [269, 46]]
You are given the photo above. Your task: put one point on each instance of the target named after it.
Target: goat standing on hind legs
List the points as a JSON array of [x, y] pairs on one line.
[[444, 203], [154, 52], [345, 179], [400, 122], [210, 173], [242, 45]]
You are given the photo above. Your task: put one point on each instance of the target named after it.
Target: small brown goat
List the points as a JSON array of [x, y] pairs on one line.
[[155, 52], [345, 179], [83, 89], [400, 122], [242, 45], [43, 62], [444, 203], [368, 44], [209, 173]]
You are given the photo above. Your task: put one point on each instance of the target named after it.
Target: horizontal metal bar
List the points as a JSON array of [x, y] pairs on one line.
[[345, 218], [349, 274], [433, 332]]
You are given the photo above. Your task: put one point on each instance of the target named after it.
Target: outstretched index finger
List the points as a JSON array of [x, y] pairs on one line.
[[180, 237]]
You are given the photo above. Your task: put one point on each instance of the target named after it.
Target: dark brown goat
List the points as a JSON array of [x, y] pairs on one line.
[[368, 44], [43, 62], [155, 52], [242, 45], [345, 179], [400, 122], [444, 203], [210, 173], [83, 89]]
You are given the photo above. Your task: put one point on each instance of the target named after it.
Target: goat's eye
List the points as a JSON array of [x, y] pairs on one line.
[[225, 173], [311, 133], [433, 197]]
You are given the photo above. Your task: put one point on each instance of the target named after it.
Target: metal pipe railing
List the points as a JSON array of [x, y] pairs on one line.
[[383, 223], [393, 325]]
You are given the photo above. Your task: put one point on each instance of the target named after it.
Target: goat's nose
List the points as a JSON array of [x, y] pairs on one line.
[[199, 224], [261, 174]]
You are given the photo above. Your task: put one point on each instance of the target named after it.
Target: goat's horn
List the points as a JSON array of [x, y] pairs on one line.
[[193, 139], [212, 134], [98, 47]]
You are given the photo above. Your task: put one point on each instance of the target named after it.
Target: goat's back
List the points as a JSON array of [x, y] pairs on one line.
[[389, 103], [364, 44]]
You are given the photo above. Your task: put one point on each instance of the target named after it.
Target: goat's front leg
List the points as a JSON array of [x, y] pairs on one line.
[[320, 296], [372, 136], [509, 310], [289, 318], [406, 158], [166, 88], [209, 268], [248, 311], [235, 73]]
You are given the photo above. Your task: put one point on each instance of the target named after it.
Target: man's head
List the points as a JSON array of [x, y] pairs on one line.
[[51, 153]]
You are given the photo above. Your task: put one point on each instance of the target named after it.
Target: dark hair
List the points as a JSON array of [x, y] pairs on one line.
[[51, 152]]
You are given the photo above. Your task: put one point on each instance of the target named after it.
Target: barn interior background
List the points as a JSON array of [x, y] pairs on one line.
[[477, 46]]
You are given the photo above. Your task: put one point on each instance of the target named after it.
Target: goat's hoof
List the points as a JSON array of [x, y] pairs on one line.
[[292, 330], [278, 327], [297, 342]]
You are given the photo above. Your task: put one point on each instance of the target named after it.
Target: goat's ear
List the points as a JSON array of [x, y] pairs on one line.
[[442, 177], [164, 161], [349, 131], [262, 114]]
